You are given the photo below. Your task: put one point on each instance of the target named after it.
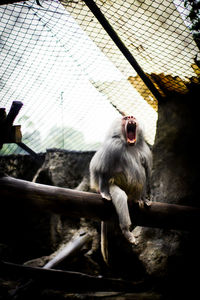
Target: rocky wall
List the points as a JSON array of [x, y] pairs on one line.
[[172, 254], [29, 234]]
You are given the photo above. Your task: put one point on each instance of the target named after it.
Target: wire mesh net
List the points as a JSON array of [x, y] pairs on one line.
[[73, 80]]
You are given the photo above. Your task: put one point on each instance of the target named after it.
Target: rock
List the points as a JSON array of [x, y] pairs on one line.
[[64, 168]]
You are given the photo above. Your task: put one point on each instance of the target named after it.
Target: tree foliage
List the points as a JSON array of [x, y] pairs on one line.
[[193, 7]]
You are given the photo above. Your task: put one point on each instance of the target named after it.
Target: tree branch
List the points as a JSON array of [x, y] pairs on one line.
[[90, 205], [72, 281]]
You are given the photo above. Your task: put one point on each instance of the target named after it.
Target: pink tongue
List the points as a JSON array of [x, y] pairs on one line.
[[131, 135]]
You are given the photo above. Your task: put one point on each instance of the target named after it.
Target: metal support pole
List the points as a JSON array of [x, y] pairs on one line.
[[116, 39]]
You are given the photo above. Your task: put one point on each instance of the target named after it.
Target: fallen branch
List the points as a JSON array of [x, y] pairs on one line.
[[72, 281], [70, 249], [90, 205]]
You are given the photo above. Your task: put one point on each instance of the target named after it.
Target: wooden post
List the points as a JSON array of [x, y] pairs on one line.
[[8, 132]]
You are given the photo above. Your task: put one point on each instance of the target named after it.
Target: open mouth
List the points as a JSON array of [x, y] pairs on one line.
[[131, 132]]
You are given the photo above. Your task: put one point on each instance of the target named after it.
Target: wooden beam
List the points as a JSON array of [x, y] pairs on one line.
[[13, 112], [14, 135], [5, 2], [90, 205], [8, 132], [2, 115], [71, 281], [55, 199]]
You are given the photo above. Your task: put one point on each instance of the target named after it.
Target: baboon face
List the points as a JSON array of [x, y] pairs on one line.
[[129, 129]]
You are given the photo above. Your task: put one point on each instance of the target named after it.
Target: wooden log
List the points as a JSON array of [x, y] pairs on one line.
[[11, 135], [6, 2], [90, 205], [14, 135], [8, 132], [2, 115], [70, 249], [13, 112], [72, 281], [63, 201]]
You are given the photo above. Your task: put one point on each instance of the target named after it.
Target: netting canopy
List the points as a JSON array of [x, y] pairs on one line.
[[73, 80]]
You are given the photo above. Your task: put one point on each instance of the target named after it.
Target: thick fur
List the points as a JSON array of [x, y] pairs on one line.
[[121, 172]]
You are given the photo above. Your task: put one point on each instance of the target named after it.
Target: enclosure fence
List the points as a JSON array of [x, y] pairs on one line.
[[74, 79]]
